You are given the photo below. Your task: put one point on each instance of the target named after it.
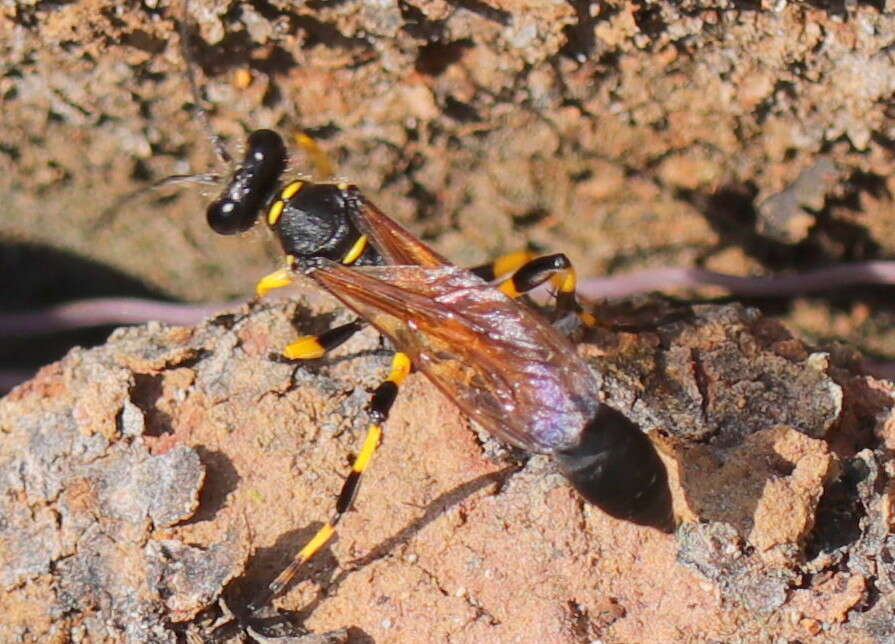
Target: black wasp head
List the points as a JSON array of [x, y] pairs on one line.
[[313, 221], [237, 209]]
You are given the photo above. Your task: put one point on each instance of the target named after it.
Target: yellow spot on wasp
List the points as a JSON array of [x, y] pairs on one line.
[[273, 215], [277, 279], [356, 250], [307, 347], [290, 190]]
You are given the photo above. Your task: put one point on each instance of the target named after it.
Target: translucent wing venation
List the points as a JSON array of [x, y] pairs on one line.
[[394, 242], [501, 363]]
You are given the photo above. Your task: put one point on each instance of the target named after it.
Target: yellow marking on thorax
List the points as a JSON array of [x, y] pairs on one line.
[[273, 215], [276, 210], [356, 250], [290, 190]]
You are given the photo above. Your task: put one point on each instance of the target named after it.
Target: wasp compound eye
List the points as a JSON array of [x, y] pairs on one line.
[[250, 188]]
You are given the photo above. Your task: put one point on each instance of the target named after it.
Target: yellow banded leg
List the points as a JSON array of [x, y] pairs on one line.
[[503, 265], [311, 347], [565, 282], [323, 167], [556, 268], [278, 279], [380, 406], [559, 271]]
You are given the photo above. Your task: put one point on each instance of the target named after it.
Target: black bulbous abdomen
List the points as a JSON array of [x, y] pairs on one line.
[[616, 467]]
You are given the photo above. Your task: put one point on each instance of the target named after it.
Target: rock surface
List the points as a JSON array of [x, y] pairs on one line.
[[145, 479]]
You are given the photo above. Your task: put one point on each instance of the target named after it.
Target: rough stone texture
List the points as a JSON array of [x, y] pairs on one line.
[[672, 376], [223, 460], [143, 479]]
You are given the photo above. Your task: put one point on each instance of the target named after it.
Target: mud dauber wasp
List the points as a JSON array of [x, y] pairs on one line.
[[499, 360], [502, 363]]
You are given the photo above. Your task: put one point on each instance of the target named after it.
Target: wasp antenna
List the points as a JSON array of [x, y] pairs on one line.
[[216, 142], [108, 215]]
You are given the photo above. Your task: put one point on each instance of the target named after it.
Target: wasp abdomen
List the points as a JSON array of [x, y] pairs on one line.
[[617, 468]]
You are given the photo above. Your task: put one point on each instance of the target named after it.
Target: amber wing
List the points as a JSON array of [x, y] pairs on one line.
[[394, 242], [501, 363]]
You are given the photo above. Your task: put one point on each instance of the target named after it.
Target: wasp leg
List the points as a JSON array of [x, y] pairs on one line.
[[503, 265], [559, 271], [323, 166], [529, 271], [278, 279], [380, 406], [311, 347]]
